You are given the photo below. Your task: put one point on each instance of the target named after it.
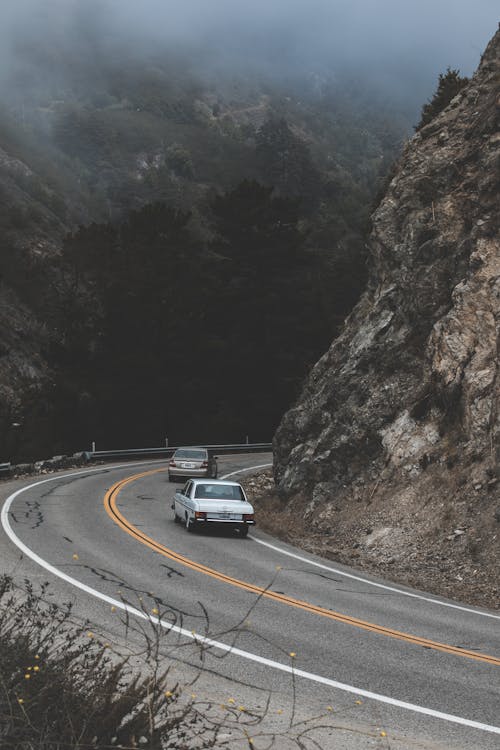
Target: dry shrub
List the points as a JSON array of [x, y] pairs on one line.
[[60, 687]]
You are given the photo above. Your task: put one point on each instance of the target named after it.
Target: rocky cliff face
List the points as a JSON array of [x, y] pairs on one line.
[[400, 418]]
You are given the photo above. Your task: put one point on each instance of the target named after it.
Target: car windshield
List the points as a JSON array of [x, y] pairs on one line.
[[219, 492], [191, 453]]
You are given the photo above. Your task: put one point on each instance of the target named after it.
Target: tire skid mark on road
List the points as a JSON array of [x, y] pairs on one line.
[[110, 504]]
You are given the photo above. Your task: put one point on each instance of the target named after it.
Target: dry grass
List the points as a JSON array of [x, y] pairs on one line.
[[62, 687]]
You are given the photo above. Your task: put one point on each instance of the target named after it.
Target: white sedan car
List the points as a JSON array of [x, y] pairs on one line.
[[207, 502]]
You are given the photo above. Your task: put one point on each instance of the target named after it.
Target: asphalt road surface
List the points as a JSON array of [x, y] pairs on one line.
[[357, 661]]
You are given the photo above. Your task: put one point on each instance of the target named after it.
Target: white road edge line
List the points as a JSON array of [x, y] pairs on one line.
[[217, 644], [384, 586]]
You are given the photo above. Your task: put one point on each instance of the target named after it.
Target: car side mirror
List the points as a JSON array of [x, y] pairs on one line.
[[216, 458]]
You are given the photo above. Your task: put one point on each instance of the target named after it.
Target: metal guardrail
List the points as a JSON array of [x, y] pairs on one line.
[[167, 452], [84, 457]]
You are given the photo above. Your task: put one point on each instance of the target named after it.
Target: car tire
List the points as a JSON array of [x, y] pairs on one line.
[[243, 531], [171, 479], [189, 525]]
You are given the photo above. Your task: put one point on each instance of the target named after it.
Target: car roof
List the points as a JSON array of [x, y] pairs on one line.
[[191, 447], [215, 481]]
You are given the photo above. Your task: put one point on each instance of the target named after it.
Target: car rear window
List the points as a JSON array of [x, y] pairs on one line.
[[197, 455], [219, 492]]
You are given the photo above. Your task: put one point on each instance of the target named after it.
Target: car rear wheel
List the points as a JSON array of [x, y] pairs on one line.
[[243, 531]]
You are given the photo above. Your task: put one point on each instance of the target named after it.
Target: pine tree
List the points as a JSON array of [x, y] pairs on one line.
[[449, 84], [285, 160]]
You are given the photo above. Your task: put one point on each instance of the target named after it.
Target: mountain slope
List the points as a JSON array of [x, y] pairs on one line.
[[393, 443], [90, 138]]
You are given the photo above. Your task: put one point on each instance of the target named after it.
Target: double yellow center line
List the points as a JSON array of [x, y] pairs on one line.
[[110, 504]]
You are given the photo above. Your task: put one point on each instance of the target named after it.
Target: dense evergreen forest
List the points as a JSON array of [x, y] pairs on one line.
[[162, 334], [188, 244]]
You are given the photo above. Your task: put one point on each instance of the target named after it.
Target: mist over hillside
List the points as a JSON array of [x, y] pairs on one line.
[[396, 48], [190, 144]]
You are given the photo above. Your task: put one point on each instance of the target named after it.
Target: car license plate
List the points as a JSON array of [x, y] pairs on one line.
[[187, 466], [224, 515]]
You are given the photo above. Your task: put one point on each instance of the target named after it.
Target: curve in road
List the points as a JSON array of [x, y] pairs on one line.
[[110, 505], [189, 634]]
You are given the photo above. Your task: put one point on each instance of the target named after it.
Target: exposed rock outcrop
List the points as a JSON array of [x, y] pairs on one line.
[[402, 413]]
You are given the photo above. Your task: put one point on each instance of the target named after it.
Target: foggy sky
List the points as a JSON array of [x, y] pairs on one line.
[[403, 39], [439, 32]]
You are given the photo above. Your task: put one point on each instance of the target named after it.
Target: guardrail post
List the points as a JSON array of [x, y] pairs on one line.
[[93, 446]]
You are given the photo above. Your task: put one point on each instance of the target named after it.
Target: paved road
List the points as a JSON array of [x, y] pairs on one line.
[[398, 669]]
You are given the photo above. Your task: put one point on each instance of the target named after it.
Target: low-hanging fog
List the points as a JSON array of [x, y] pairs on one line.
[[398, 46]]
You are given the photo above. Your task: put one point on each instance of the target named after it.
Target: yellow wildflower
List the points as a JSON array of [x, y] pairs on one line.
[[90, 635], [154, 611], [358, 703], [231, 700], [27, 676], [36, 668], [20, 700], [241, 708], [329, 708], [383, 734], [36, 656], [293, 654], [75, 556], [168, 694]]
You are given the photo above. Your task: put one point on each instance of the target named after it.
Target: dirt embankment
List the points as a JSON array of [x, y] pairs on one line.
[[443, 553]]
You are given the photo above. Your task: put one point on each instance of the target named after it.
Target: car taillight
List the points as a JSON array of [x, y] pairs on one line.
[[204, 465], [172, 463], [248, 516], [200, 514]]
